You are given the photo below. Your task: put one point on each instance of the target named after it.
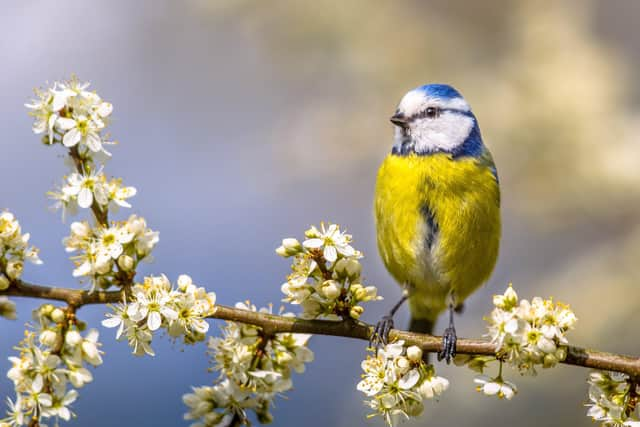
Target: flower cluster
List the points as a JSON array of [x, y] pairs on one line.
[[325, 279], [253, 369], [14, 250], [122, 245], [85, 189], [396, 380], [70, 114], [155, 304], [51, 366], [526, 333], [613, 399]]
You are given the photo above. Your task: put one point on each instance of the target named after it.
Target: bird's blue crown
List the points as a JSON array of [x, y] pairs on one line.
[[438, 90]]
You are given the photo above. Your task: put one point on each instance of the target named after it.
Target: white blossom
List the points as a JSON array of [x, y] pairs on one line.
[[156, 304], [331, 241], [529, 334], [14, 251], [48, 370], [122, 244], [325, 279], [86, 188], [70, 114], [396, 381], [252, 368], [495, 387], [610, 399]]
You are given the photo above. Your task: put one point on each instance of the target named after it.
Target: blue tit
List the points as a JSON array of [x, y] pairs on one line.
[[437, 209]]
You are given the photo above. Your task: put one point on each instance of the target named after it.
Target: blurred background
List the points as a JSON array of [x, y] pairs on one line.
[[242, 122]]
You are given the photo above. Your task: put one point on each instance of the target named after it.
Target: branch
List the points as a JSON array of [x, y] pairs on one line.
[[73, 297], [273, 324]]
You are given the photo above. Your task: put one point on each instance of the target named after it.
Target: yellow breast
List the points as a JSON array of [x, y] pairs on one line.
[[457, 250]]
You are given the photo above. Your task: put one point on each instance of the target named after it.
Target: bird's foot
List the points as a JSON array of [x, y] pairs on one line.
[[380, 336], [449, 340]]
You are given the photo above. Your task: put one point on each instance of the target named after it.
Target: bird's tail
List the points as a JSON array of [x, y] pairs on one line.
[[423, 326]]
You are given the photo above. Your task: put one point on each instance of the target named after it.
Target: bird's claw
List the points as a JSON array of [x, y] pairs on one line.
[[380, 335], [449, 340]]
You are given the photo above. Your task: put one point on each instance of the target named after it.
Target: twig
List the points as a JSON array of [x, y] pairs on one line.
[[274, 324]]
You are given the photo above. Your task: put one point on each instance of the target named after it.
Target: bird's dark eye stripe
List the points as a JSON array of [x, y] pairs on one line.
[[438, 111]]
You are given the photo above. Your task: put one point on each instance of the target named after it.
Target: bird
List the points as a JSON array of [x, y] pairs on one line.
[[437, 210]]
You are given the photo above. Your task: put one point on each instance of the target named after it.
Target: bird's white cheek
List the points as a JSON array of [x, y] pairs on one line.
[[442, 134]]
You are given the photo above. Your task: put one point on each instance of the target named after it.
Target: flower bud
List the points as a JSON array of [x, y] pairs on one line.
[[330, 289], [7, 309], [507, 301], [561, 353], [414, 354], [103, 266], [73, 338], [340, 268], [45, 309], [125, 262], [354, 288], [48, 338], [290, 246], [359, 292], [353, 269], [402, 363], [549, 361], [57, 315], [356, 312], [4, 282], [184, 281], [14, 269]]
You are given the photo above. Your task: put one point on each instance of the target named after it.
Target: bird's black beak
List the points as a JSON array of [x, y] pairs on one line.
[[399, 119]]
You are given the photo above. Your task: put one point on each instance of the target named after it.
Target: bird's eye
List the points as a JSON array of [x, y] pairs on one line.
[[432, 112]]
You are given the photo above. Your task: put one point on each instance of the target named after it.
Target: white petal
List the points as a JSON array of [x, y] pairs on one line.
[[65, 123], [85, 198], [330, 253], [37, 384], [82, 270], [64, 413], [169, 313], [71, 138], [93, 142], [105, 109], [101, 194], [154, 320], [491, 388], [409, 380], [111, 322], [45, 399], [313, 243]]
